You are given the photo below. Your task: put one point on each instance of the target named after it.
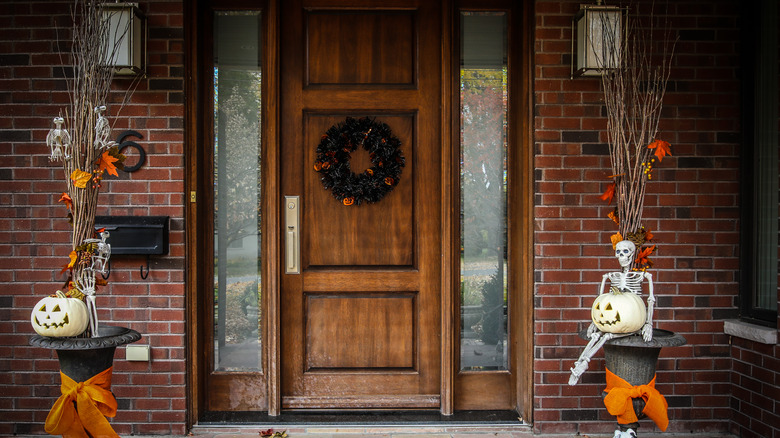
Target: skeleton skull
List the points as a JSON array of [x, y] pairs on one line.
[[624, 251]]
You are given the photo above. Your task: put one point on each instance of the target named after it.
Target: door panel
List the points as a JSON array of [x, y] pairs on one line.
[[384, 52], [360, 325], [348, 237], [373, 331]]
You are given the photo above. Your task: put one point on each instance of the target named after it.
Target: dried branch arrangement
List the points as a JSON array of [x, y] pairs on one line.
[[80, 141], [633, 95]]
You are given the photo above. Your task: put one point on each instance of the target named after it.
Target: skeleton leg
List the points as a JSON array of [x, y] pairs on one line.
[[597, 340], [624, 434]]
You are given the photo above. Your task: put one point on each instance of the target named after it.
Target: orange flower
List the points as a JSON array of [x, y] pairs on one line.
[[608, 194], [370, 172], [348, 201], [389, 181], [662, 149], [317, 166]]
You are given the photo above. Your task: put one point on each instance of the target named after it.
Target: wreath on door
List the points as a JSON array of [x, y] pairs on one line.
[[336, 148]]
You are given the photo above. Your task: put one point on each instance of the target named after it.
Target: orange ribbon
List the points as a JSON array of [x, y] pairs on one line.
[[93, 403], [619, 401]]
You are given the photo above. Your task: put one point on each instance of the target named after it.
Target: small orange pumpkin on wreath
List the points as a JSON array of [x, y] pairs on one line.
[[334, 153]]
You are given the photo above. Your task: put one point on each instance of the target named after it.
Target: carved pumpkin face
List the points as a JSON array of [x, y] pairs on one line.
[[60, 316], [618, 312]]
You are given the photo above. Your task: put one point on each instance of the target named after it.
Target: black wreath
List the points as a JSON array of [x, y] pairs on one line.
[[334, 152]]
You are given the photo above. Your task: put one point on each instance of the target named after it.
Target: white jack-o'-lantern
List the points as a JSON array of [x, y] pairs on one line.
[[618, 312], [60, 316]]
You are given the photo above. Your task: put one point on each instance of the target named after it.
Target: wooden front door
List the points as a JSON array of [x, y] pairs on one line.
[[360, 320]]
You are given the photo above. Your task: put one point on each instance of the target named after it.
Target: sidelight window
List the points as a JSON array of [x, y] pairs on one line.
[[237, 196], [483, 191]]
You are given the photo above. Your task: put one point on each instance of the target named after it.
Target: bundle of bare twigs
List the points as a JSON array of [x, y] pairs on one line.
[[89, 88], [633, 95]]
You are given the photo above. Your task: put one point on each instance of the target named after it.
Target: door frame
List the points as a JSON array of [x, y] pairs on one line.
[[198, 210]]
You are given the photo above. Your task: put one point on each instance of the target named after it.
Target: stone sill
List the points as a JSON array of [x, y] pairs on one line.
[[753, 332]]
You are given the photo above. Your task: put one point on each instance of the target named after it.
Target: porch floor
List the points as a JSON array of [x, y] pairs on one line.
[[423, 431]]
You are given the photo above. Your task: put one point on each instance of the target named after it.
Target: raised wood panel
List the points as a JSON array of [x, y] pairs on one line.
[[360, 47], [360, 331], [380, 234]]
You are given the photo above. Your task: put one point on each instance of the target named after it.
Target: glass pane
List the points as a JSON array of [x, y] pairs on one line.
[[237, 158], [483, 134]]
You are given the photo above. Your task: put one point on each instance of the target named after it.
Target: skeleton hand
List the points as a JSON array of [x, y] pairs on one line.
[[647, 332], [577, 370], [87, 282], [592, 329]]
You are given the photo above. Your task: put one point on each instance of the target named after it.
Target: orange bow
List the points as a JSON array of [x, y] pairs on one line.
[[93, 403], [619, 401]]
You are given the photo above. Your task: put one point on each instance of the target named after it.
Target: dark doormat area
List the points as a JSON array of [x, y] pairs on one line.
[[363, 418]]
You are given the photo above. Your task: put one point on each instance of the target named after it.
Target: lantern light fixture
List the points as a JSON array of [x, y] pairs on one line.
[[125, 44], [597, 38]]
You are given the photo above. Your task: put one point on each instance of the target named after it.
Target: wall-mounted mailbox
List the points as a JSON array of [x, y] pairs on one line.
[[139, 235], [136, 235]]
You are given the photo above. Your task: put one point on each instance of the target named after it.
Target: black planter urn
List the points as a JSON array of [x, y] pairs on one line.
[[80, 360], [634, 360]]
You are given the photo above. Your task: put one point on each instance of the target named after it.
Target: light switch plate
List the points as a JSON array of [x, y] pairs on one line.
[[137, 353]]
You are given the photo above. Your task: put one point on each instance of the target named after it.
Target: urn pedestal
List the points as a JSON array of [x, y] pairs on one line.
[[634, 360], [86, 369]]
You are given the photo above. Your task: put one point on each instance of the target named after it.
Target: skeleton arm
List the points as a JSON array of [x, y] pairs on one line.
[[647, 330]]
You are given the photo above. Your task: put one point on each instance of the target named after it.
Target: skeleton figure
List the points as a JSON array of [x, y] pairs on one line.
[[101, 257], [625, 280], [58, 141], [102, 130]]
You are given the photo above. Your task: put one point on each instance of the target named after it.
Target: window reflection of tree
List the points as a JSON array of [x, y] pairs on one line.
[[483, 203], [237, 179]]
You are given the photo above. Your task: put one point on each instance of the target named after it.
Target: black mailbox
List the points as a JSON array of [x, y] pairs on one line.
[[141, 235]]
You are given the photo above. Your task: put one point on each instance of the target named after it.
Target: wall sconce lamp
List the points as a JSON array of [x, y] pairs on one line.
[[126, 39], [597, 38]]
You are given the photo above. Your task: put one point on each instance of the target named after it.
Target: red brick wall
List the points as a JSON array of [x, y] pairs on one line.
[[33, 229], [692, 206]]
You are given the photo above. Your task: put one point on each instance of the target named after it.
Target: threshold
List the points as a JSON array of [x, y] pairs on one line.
[[362, 418]]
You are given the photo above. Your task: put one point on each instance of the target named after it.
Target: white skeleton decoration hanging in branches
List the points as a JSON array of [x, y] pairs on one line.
[[619, 312], [58, 141]]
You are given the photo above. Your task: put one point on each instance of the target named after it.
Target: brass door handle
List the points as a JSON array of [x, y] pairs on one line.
[[292, 238]]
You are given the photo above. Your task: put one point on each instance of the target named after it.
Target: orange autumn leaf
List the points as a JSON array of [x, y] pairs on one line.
[[609, 194], [613, 215], [67, 200], [662, 149], [641, 258], [73, 257], [615, 238], [648, 235], [106, 163], [80, 178]]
